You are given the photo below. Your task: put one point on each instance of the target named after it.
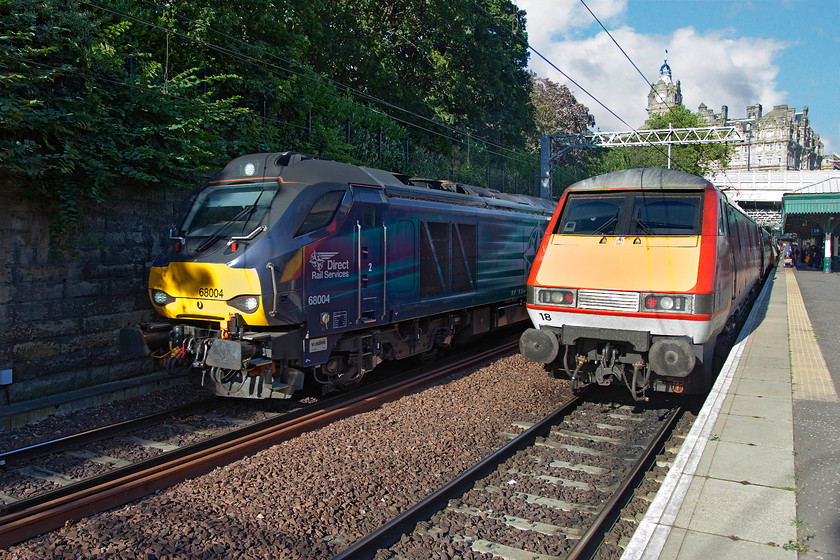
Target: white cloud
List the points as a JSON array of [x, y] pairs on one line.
[[715, 67], [718, 68], [563, 19]]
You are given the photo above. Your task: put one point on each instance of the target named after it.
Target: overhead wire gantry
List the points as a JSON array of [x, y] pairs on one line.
[[553, 146]]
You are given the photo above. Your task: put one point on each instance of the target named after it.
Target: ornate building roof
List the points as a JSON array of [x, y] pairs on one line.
[[664, 94]]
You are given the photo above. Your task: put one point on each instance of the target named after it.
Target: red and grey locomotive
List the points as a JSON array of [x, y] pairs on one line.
[[638, 274]]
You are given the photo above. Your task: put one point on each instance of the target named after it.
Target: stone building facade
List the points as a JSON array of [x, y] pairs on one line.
[[779, 140], [831, 162]]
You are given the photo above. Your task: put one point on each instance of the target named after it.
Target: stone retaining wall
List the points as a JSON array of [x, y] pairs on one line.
[[61, 315]]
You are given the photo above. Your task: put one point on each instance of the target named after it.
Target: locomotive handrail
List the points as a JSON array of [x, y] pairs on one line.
[[173, 237], [358, 272], [248, 237], [384, 270], [269, 265]]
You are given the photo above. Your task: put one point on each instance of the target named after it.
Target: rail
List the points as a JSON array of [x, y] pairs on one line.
[[146, 478]]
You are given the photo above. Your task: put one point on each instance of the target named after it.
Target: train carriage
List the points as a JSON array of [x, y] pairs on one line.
[[638, 274], [288, 266]]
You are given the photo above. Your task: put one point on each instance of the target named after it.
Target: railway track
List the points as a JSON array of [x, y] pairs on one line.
[[49, 469], [27, 518], [80, 439], [551, 493]]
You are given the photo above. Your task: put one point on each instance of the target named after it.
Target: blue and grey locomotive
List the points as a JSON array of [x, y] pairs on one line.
[[287, 265]]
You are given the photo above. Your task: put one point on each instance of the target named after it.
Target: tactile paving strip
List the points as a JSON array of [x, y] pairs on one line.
[[811, 379]]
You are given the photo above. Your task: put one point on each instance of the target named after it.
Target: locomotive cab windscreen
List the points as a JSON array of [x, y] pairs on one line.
[[229, 210], [635, 213]]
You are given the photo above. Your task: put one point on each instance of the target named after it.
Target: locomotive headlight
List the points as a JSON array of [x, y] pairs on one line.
[[668, 302], [555, 296], [245, 304], [161, 298]]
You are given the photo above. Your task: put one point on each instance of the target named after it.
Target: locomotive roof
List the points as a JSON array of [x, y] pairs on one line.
[[308, 169], [642, 178]]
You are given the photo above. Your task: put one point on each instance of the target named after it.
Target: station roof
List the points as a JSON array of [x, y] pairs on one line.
[[820, 202], [819, 198]]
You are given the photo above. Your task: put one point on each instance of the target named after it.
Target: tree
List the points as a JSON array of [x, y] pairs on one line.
[[446, 60], [556, 110], [161, 93], [74, 120]]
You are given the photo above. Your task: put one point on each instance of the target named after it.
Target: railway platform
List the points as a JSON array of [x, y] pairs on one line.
[[758, 476]]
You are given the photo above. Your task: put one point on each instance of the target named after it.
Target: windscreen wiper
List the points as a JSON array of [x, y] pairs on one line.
[[249, 210], [645, 229], [603, 228]]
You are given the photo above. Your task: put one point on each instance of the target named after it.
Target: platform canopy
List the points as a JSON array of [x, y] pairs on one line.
[[813, 207]]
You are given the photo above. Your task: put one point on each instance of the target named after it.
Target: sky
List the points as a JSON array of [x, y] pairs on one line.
[[736, 53]]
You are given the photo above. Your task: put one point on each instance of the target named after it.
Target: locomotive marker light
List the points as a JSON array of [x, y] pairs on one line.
[[246, 304], [668, 302]]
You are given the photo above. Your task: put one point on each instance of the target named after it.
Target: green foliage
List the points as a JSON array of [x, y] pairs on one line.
[[450, 60], [678, 117], [97, 96], [73, 121], [557, 111]]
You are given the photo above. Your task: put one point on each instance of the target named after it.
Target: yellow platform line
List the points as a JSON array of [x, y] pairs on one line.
[[811, 379]]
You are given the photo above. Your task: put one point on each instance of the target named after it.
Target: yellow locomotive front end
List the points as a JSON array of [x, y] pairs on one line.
[[227, 283], [206, 291]]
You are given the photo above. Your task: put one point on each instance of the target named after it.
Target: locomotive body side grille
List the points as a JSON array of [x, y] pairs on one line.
[[608, 300]]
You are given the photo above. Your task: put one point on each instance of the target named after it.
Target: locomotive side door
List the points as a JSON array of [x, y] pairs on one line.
[[735, 249], [371, 260]]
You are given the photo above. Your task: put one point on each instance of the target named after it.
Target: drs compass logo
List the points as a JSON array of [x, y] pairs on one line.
[[325, 266]]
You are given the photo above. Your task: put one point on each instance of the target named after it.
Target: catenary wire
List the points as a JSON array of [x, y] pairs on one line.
[[574, 82], [630, 60]]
